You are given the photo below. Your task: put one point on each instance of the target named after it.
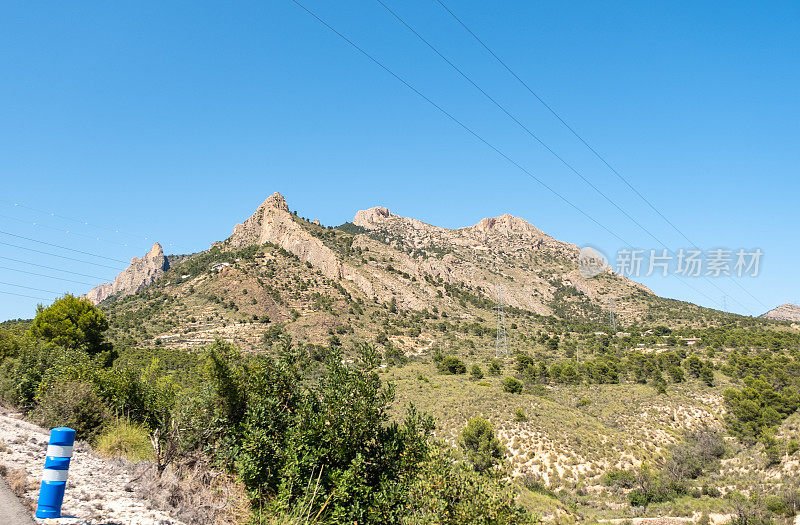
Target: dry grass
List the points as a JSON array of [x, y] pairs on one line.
[[197, 494], [20, 484]]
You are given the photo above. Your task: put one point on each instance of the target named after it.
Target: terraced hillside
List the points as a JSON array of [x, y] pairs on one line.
[[598, 416]]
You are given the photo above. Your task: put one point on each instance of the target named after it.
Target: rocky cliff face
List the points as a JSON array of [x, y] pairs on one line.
[[785, 312], [140, 273], [272, 222]]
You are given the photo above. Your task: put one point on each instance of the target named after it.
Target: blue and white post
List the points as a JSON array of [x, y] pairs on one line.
[[54, 477]]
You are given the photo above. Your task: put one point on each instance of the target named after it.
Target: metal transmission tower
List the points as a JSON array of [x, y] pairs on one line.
[[501, 345], [611, 319]]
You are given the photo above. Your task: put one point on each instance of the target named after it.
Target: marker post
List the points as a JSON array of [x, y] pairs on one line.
[[54, 477]]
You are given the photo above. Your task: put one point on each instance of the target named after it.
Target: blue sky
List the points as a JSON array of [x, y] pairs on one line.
[[173, 121]]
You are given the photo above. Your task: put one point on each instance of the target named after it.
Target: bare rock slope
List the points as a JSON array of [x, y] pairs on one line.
[[784, 312], [142, 272]]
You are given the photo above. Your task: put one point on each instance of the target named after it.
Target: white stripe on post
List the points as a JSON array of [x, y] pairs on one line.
[[59, 451], [50, 474]]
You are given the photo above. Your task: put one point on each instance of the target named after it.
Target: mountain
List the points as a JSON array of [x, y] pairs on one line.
[[597, 403], [141, 273], [784, 312], [279, 268]]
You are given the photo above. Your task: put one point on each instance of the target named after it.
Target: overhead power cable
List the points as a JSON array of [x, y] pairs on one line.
[[473, 133], [30, 288], [530, 133], [53, 268], [83, 222], [43, 275], [59, 256], [37, 224], [23, 295], [62, 247], [583, 141]]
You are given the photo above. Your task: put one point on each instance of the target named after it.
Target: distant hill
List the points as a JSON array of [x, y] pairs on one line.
[[277, 267], [784, 312]]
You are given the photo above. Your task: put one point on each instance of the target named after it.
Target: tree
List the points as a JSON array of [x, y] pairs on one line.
[[677, 374], [707, 375], [71, 322], [512, 385], [452, 365], [481, 446], [476, 372]]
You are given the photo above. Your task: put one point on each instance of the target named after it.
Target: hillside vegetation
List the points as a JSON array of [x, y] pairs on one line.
[[351, 374]]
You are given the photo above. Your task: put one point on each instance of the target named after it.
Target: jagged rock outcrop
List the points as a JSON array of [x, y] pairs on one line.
[[784, 312], [273, 223], [411, 261], [142, 272]]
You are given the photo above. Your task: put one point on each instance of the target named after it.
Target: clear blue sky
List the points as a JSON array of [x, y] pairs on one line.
[[174, 120]]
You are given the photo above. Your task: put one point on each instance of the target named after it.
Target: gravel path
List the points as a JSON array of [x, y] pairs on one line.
[[99, 490]]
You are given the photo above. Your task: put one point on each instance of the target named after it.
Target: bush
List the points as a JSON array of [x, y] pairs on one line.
[[481, 446], [512, 385], [495, 368], [123, 438], [520, 416], [452, 365], [72, 404], [619, 478], [476, 372]]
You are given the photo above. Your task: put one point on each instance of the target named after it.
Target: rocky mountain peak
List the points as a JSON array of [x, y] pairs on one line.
[[156, 252], [276, 201], [784, 312], [372, 217], [141, 272], [505, 223]]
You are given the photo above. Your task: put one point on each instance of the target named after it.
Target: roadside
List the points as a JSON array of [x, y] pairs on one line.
[[99, 490], [12, 511]]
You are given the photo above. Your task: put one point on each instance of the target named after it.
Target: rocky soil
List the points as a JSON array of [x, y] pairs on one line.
[[784, 312], [99, 490]]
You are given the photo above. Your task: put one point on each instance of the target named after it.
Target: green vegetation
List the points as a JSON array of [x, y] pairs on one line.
[[480, 444], [126, 439], [298, 432], [512, 385]]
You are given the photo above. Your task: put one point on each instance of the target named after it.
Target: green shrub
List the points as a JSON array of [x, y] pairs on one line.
[[480, 444], [512, 385], [72, 404], [494, 368], [126, 439], [452, 365], [476, 372], [520, 416], [619, 478]]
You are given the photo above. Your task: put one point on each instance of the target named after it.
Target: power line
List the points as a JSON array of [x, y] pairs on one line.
[[62, 247], [56, 255], [52, 268], [585, 142], [475, 134], [83, 222], [43, 275], [76, 220], [67, 232], [30, 288], [533, 135], [23, 295]]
